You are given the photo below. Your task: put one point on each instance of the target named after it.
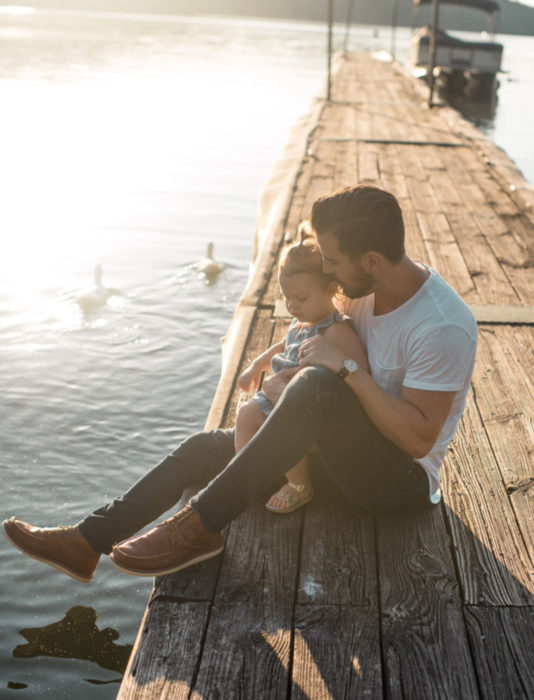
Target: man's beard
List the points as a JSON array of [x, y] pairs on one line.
[[365, 284]]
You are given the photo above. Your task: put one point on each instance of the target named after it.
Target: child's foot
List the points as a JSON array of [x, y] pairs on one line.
[[289, 498]]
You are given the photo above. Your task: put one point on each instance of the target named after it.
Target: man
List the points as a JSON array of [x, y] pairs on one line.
[[381, 436]]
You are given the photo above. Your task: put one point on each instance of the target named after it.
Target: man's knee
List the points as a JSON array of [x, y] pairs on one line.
[[205, 443], [319, 388], [314, 383]]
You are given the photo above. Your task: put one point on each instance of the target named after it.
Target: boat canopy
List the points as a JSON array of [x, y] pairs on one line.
[[485, 5], [447, 40]]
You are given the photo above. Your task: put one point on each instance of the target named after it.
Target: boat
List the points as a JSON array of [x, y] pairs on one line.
[[467, 68]]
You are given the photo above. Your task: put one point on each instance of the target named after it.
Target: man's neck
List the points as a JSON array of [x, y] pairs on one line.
[[398, 284]]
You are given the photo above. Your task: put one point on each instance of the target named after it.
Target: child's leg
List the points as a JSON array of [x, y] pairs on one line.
[[299, 474], [249, 420], [295, 493]]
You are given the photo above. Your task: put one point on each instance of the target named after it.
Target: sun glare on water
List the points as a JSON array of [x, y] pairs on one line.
[[84, 150]]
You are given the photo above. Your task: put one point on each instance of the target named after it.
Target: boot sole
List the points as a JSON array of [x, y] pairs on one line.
[[165, 571], [55, 565]]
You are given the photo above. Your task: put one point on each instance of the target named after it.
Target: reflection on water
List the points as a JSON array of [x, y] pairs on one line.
[[76, 636], [480, 112]]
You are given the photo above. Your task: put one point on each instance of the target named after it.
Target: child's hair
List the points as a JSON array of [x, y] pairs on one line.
[[304, 256]]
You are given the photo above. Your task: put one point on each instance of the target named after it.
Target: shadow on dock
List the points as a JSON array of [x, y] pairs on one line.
[[338, 603]]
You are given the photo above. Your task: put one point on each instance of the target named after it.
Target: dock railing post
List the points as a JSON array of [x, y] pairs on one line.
[[330, 28], [394, 22], [432, 50]]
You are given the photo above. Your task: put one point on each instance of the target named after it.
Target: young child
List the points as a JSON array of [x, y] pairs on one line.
[[309, 294]]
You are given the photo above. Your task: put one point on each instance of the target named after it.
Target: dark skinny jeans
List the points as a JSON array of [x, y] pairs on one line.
[[315, 408]]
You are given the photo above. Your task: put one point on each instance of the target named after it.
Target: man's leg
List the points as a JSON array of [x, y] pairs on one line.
[[316, 408], [76, 550], [197, 460]]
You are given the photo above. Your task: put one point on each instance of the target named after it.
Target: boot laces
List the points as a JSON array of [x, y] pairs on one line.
[[174, 522]]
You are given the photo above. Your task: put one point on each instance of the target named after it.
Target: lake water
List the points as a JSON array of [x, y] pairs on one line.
[[131, 142]]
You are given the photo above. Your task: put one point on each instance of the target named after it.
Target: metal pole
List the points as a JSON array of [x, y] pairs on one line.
[[432, 56], [330, 27], [347, 24], [394, 21]]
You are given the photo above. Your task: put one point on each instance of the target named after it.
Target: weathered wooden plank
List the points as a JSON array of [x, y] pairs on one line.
[[322, 163], [490, 279], [336, 648], [296, 209], [331, 118], [363, 128], [492, 559], [492, 190], [492, 282], [248, 642], [424, 642], [504, 314], [445, 256], [502, 642], [430, 159], [508, 249], [407, 156], [504, 390], [346, 171], [391, 172], [164, 663], [338, 563], [318, 187], [443, 185], [368, 171], [336, 653], [415, 244], [505, 397]]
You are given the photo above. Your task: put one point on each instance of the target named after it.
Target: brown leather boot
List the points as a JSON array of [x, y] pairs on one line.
[[174, 544], [64, 548]]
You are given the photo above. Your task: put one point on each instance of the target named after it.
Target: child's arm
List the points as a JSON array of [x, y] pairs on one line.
[[343, 336], [250, 378]]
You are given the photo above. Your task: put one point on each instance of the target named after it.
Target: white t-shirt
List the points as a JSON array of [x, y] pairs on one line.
[[427, 343]]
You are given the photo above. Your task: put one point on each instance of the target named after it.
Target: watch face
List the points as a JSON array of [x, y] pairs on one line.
[[351, 365]]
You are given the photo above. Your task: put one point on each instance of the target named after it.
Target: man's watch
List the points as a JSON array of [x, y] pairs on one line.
[[348, 367]]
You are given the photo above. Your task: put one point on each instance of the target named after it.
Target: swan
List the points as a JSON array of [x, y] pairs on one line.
[[97, 296], [209, 267]]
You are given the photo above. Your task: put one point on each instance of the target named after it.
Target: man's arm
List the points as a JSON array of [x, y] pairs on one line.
[[346, 340], [412, 422], [339, 334]]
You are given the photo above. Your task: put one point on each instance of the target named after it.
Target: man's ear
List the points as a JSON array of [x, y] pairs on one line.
[[371, 261]]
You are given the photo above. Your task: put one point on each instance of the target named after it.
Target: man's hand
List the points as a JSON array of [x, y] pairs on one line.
[[274, 385], [319, 351]]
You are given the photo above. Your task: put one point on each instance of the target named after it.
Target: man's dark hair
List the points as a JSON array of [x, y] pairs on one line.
[[362, 218]]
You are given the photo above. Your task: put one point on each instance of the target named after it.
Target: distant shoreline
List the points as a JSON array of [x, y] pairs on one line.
[[515, 17]]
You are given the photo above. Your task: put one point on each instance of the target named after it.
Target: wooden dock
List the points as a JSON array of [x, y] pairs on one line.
[[330, 602]]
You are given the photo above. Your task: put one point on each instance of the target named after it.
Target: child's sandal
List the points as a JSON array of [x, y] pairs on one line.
[[294, 496]]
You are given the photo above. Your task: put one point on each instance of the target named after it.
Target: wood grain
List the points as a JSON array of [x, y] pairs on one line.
[[424, 641]]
